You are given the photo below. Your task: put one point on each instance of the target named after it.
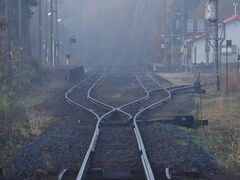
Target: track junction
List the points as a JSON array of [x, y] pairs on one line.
[[117, 149], [108, 132]]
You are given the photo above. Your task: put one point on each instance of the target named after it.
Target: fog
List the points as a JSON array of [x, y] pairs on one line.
[[110, 32]]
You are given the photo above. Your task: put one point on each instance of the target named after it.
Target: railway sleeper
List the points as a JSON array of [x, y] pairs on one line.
[[123, 174], [118, 124], [164, 172], [182, 120]]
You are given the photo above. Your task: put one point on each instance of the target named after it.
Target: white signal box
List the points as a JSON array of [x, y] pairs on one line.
[[211, 10]]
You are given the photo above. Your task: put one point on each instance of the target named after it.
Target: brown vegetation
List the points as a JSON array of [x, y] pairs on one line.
[[222, 136], [29, 112]]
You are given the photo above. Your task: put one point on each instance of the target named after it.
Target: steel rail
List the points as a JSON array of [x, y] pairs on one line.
[[94, 100], [144, 158], [111, 107], [138, 100], [146, 164], [100, 103], [147, 167], [179, 88], [96, 131]]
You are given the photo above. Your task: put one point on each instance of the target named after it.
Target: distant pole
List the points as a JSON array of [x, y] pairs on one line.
[[51, 35], [56, 36], [216, 45], [20, 34], [228, 44], [40, 31], [171, 36], [226, 69], [165, 29], [207, 48], [8, 41], [235, 7], [195, 63], [47, 35], [220, 62], [183, 36], [211, 14], [238, 62]]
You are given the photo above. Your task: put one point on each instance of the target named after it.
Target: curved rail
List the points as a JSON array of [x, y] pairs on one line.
[[138, 100], [99, 119], [94, 100], [147, 166], [145, 161], [144, 158], [96, 131]]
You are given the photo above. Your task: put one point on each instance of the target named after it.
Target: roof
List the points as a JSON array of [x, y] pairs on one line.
[[229, 20]]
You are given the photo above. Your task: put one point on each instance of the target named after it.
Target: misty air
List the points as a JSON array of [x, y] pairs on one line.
[[119, 89]]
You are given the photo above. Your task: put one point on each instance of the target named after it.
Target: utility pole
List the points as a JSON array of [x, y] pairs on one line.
[[195, 64], [8, 45], [20, 34], [228, 44], [216, 45], [211, 14], [46, 34], [226, 69], [183, 34], [207, 47], [56, 35], [238, 67], [165, 29], [40, 30], [51, 34], [235, 7], [171, 36]]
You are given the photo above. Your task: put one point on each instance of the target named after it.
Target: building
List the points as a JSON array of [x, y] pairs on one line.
[[230, 30]]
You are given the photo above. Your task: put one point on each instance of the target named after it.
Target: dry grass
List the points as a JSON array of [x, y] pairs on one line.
[[222, 135], [38, 120], [32, 119], [178, 78]]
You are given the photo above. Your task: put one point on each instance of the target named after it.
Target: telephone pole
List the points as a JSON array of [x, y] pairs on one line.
[[46, 34], [165, 30], [20, 34], [40, 31], [211, 14], [183, 35], [195, 64], [207, 47], [8, 45], [56, 58], [235, 7], [51, 35], [216, 45]]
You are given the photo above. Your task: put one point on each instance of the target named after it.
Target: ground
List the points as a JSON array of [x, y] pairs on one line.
[[47, 109], [37, 109], [222, 136]]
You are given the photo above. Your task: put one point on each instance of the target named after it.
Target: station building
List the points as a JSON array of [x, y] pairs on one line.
[[230, 30]]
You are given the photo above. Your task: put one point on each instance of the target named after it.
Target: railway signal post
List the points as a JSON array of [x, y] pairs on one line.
[[211, 15]]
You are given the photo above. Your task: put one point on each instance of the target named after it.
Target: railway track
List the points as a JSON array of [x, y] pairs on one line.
[[154, 93], [80, 100], [117, 138]]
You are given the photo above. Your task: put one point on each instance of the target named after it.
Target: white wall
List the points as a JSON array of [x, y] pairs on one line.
[[232, 33]]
